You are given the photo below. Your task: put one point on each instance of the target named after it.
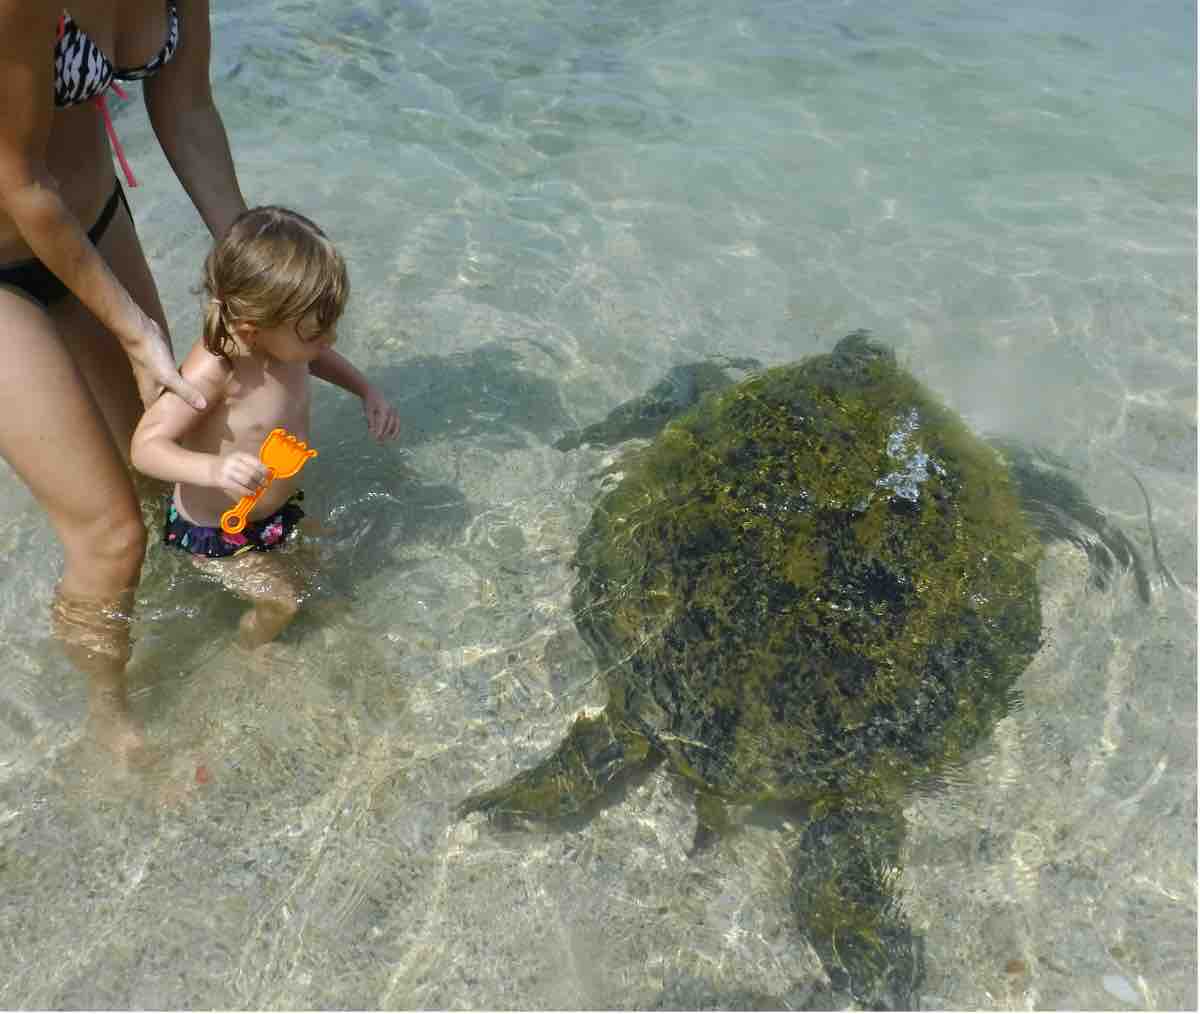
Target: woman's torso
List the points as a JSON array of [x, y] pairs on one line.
[[129, 34]]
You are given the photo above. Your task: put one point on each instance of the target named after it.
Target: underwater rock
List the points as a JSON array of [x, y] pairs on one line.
[[815, 588]]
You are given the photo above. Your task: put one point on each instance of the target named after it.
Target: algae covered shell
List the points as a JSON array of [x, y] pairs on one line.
[[816, 584]]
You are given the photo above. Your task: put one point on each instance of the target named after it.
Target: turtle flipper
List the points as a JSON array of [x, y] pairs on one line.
[[594, 754], [1059, 509], [645, 416], [844, 895], [712, 821]]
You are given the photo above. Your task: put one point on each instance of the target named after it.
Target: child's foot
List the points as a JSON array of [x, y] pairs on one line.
[[261, 625]]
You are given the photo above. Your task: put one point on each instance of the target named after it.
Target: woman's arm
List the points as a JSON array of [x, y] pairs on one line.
[[29, 195], [382, 421], [180, 104]]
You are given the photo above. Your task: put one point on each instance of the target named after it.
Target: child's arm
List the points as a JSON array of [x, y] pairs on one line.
[[382, 420], [156, 450]]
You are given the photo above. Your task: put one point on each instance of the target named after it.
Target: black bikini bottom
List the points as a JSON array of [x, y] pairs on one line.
[[38, 281]]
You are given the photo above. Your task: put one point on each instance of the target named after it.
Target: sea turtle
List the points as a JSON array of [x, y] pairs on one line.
[[815, 588]]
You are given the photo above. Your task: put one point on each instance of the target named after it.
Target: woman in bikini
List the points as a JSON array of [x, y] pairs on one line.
[[83, 338]]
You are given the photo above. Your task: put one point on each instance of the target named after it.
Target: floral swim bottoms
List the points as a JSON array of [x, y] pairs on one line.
[[258, 536]]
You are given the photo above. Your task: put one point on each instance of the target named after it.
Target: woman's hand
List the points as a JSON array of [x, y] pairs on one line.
[[154, 367], [238, 474], [383, 422]]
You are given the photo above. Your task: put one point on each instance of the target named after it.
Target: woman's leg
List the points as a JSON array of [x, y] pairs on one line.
[[54, 435]]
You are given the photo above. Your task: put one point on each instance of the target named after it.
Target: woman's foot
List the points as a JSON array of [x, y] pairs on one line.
[[115, 729]]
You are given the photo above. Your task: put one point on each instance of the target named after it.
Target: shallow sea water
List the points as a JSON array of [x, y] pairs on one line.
[[544, 208]]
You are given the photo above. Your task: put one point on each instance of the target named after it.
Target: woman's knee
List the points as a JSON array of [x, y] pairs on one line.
[[120, 542], [107, 552]]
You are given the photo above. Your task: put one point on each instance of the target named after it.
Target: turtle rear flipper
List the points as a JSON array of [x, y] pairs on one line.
[[594, 754], [1059, 509], [712, 821], [844, 895]]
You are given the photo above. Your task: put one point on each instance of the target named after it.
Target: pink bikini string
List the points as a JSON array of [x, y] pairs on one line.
[[102, 105]]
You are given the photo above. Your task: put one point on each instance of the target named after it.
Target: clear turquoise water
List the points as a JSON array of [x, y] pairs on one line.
[[545, 207]]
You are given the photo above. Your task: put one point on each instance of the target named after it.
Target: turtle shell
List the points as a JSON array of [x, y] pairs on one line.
[[816, 585]]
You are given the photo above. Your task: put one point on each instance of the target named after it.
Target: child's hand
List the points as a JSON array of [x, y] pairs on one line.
[[238, 474], [382, 421]]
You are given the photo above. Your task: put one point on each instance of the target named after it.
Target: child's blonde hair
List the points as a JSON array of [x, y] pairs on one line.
[[272, 267]]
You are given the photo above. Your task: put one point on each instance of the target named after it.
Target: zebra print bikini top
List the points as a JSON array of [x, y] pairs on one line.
[[81, 69]]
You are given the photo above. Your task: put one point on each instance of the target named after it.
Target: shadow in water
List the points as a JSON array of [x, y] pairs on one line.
[[490, 392]]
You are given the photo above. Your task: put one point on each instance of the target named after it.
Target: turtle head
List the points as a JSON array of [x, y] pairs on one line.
[[858, 349]]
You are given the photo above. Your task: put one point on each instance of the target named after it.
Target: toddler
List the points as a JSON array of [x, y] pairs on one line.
[[276, 287]]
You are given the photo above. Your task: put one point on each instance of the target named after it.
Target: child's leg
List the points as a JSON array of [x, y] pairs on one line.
[[271, 585]]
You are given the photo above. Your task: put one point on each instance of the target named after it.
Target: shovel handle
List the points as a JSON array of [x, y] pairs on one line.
[[234, 519]]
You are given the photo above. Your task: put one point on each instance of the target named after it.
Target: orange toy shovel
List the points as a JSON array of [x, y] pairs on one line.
[[284, 456]]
